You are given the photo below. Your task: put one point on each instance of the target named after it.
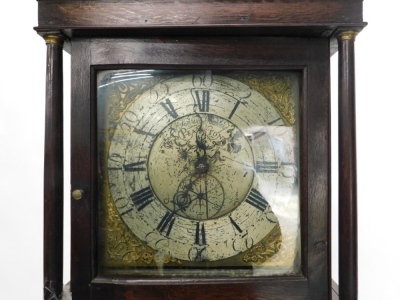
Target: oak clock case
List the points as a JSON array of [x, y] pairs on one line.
[[199, 173]]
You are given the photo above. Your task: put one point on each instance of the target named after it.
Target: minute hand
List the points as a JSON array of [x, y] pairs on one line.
[[241, 163]]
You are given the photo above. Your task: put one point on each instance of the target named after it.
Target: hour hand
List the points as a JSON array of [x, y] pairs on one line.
[[201, 139], [200, 143]]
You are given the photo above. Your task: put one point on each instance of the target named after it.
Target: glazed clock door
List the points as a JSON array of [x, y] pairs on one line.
[[199, 171], [192, 166]]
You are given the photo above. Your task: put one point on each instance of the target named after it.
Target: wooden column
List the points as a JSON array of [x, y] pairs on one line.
[[53, 170], [348, 280]]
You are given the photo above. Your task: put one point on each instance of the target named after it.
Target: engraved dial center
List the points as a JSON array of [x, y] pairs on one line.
[[201, 166]]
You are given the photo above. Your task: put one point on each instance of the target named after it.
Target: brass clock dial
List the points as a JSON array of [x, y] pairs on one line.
[[195, 163]]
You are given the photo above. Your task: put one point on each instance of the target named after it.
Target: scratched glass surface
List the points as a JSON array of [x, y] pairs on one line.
[[198, 173]]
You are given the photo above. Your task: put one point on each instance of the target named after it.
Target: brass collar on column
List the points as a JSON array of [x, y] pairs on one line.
[[347, 35], [54, 39]]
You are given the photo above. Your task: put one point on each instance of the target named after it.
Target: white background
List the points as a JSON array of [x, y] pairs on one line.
[[22, 97]]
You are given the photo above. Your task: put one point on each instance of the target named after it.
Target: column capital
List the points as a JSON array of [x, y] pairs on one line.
[[53, 39], [348, 35]]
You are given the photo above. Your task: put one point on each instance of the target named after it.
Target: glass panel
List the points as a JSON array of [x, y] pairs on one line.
[[198, 173]]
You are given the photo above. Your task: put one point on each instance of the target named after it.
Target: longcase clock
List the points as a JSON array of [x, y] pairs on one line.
[[200, 148]]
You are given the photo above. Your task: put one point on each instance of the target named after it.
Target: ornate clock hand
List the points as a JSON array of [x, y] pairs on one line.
[[206, 196], [246, 164], [201, 138], [201, 164]]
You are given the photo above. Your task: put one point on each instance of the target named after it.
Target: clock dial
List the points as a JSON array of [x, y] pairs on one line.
[[201, 166], [194, 164]]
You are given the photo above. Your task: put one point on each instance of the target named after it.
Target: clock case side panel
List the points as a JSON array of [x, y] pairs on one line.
[[316, 169], [83, 171], [311, 56]]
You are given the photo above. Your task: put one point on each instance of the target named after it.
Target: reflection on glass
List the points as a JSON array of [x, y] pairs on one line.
[[198, 173]]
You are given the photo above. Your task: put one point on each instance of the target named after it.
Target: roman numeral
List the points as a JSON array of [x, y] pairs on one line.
[[266, 166], [140, 131], [128, 211], [142, 198], [258, 134], [274, 121], [200, 238], [257, 200], [166, 223], [255, 135], [135, 167], [204, 102], [235, 225], [234, 109], [169, 108]]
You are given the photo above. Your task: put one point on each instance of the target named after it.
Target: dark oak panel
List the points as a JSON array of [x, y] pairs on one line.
[[202, 17], [316, 168], [81, 175], [194, 13], [277, 289], [227, 52]]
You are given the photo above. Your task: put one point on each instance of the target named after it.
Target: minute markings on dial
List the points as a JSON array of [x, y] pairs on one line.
[[257, 200]]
